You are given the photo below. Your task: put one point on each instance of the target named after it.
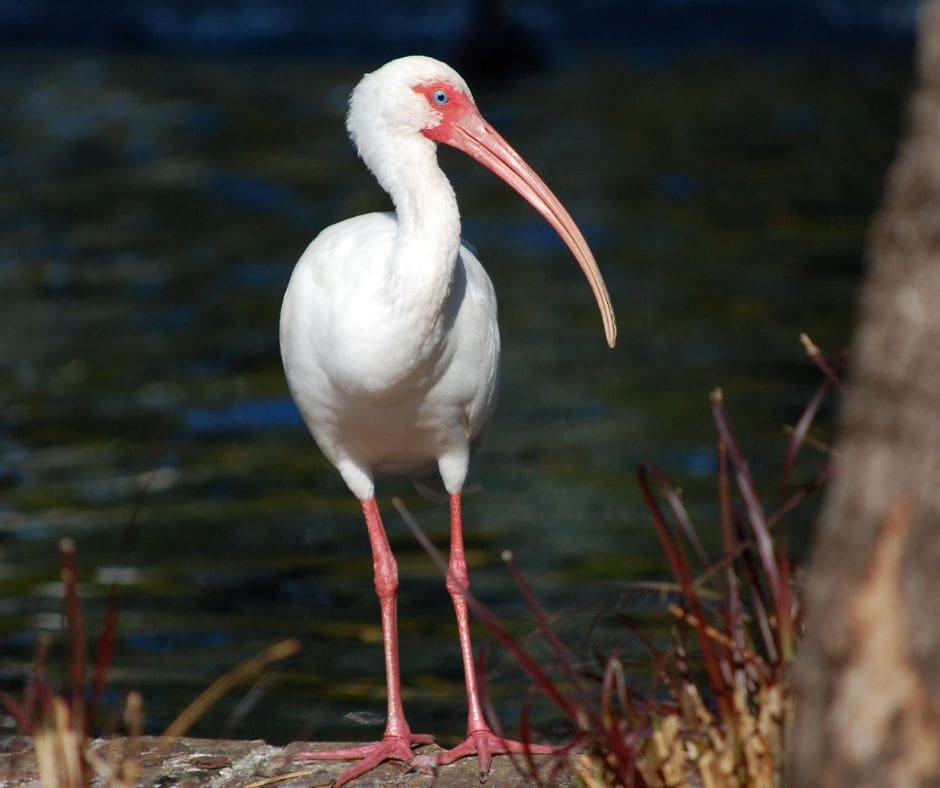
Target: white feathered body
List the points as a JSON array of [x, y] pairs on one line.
[[391, 352], [388, 327]]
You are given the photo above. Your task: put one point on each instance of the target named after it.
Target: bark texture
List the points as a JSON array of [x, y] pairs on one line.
[[868, 673]]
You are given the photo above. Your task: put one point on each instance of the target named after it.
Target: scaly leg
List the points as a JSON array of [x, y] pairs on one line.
[[480, 739], [398, 738]]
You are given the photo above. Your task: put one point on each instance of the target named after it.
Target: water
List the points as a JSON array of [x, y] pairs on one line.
[[153, 207]]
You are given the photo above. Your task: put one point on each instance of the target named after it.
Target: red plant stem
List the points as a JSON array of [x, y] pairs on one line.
[[784, 613], [680, 512], [734, 612], [752, 659], [548, 632], [742, 474], [37, 695], [758, 597], [823, 475], [108, 636], [104, 652], [817, 357], [680, 570], [76, 627], [796, 498], [799, 435], [24, 713], [20, 712]]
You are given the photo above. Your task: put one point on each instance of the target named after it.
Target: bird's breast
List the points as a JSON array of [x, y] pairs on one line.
[[377, 369]]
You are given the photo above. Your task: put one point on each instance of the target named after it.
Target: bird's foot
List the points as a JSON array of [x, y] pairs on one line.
[[368, 756], [484, 744]]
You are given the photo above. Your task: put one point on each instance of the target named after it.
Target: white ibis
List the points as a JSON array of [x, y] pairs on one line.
[[391, 347]]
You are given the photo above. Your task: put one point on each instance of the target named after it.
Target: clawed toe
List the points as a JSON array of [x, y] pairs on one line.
[[368, 756], [485, 744]]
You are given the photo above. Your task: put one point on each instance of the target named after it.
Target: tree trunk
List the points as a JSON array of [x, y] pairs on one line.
[[868, 673]]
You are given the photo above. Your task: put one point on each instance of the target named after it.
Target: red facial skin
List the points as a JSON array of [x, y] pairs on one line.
[[458, 106]]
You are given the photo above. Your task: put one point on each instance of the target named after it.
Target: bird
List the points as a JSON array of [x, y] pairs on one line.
[[390, 347]]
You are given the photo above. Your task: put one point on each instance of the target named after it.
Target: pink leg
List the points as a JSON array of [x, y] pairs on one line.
[[480, 739], [398, 739]]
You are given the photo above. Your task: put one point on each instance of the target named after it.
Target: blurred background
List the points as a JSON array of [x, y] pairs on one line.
[[164, 164]]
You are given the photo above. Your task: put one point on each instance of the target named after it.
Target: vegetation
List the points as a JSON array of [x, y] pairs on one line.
[[60, 722], [721, 701], [718, 708]]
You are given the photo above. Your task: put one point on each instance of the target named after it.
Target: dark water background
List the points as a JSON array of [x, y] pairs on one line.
[[162, 168]]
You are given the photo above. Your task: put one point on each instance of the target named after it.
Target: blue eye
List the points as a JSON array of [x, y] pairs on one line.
[[440, 97]]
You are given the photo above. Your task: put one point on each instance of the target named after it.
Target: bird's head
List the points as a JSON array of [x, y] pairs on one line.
[[412, 103], [407, 98]]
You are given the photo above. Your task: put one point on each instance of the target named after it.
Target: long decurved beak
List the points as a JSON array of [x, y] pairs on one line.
[[475, 137]]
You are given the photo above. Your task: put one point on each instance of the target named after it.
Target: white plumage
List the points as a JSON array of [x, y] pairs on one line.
[[390, 377], [390, 342]]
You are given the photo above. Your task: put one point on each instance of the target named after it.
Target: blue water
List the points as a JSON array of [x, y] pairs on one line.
[[162, 167], [376, 28]]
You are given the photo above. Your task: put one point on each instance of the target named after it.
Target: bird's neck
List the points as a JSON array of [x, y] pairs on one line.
[[421, 270], [428, 223]]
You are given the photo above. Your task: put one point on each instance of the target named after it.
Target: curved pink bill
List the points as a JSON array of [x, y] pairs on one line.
[[475, 137]]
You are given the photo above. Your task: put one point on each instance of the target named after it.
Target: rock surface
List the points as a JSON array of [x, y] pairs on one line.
[[219, 763]]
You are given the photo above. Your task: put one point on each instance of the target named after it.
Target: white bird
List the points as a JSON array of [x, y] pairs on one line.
[[391, 348]]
